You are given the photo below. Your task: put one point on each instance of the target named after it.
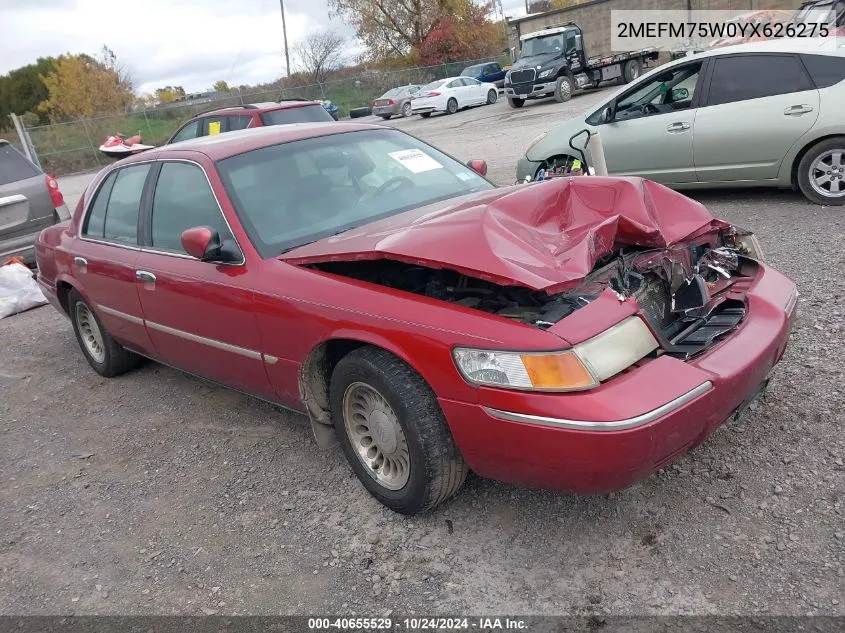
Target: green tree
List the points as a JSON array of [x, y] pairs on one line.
[[221, 86], [22, 90]]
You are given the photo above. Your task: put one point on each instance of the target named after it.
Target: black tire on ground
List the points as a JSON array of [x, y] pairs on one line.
[[425, 115], [516, 103], [492, 95], [451, 106], [356, 113], [564, 87], [808, 172], [406, 109], [116, 359], [436, 468], [632, 70], [386, 117]]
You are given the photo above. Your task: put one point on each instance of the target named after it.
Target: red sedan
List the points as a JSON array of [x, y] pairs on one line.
[[573, 334]]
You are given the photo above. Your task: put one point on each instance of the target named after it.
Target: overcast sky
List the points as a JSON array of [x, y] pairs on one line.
[[191, 43]]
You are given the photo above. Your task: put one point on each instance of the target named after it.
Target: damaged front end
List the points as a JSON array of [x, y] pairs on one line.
[[691, 294]]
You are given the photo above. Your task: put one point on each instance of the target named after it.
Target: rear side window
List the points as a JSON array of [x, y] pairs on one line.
[[238, 122], [183, 199], [14, 166], [96, 221], [301, 114], [755, 76], [121, 223], [826, 70]]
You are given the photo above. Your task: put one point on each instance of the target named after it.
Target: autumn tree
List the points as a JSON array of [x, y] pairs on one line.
[[465, 33], [80, 86], [169, 94], [564, 4], [318, 54], [221, 86]]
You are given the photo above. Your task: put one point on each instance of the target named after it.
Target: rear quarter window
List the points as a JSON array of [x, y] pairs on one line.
[[14, 166], [300, 114], [825, 70]]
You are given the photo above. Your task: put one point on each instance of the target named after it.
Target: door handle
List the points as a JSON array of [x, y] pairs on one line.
[[146, 277], [797, 109], [677, 127], [80, 261]]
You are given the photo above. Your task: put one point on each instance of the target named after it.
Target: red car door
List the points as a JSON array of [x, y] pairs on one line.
[[106, 252], [199, 315]]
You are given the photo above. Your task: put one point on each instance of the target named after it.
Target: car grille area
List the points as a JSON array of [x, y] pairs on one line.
[[523, 76]]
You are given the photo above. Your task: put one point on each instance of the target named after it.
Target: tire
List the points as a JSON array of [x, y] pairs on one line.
[[406, 109], [819, 163], [492, 96], [356, 113], [516, 103], [435, 469], [451, 106], [632, 70], [425, 115], [105, 355], [563, 88], [386, 117]]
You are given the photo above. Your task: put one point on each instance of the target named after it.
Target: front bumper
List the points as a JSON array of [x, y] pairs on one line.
[[526, 167], [608, 438], [534, 90]]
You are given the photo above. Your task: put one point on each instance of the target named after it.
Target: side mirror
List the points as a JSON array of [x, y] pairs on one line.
[[579, 42], [204, 244], [680, 94], [478, 166], [607, 115]]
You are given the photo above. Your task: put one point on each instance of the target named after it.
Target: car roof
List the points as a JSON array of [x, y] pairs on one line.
[[229, 144], [815, 45], [265, 106]]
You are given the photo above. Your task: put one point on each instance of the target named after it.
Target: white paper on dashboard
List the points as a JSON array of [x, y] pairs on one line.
[[415, 160]]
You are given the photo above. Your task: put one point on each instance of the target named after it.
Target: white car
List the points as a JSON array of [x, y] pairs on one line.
[[451, 94]]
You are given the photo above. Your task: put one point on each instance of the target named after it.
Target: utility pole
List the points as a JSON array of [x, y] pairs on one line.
[[285, 36]]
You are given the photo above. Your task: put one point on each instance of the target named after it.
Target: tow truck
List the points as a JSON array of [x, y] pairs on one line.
[[554, 62]]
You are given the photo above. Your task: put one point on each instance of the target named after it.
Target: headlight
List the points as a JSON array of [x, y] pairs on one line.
[[534, 141], [581, 367], [546, 73]]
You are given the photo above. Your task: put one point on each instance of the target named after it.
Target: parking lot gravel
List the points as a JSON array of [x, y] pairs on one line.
[[159, 493]]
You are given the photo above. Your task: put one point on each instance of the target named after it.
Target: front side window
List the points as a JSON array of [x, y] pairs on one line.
[[668, 91], [299, 114], [124, 203], [191, 130], [291, 194], [744, 77], [183, 200]]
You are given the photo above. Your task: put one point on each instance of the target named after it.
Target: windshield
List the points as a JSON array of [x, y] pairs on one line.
[[295, 193], [816, 14], [472, 71], [543, 45], [298, 114]]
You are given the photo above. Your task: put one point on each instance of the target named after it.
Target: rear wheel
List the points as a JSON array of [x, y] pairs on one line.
[[406, 109], [393, 433], [107, 356], [563, 89], [516, 103], [631, 70], [492, 95], [451, 106], [821, 172]]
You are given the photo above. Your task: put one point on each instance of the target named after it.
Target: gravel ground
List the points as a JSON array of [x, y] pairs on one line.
[[156, 493]]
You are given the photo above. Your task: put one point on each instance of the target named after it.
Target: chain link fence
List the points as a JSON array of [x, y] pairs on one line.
[[72, 147]]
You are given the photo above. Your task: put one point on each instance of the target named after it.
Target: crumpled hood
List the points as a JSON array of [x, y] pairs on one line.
[[545, 236]]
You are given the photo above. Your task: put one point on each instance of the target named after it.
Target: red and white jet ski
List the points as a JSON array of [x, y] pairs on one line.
[[116, 146]]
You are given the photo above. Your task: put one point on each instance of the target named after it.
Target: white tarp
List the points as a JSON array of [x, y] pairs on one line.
[[18, 290]]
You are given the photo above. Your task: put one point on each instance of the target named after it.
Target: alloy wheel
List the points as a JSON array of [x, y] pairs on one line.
[[827, 174]]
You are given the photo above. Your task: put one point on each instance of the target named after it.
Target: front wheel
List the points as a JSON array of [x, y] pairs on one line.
[[516, 103], [105, 355], [821, 172], [393, 433], [492, 95], [452, 106], [563, 89]]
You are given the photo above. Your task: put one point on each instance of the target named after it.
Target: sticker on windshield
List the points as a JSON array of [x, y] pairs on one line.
[[414, 160]]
